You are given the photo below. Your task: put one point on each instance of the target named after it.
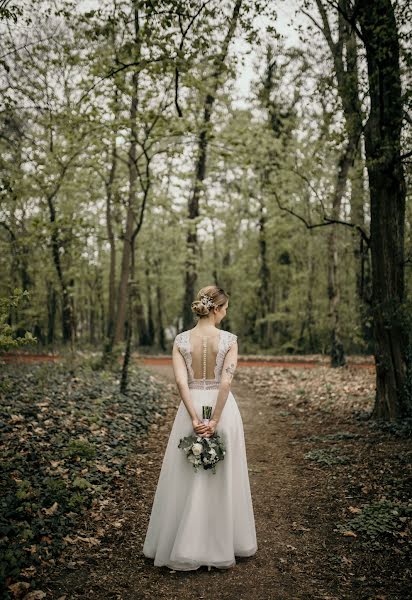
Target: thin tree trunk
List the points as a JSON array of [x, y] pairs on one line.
[[349, 90], [337, 354], [150, 320], [160, 326], [124, 380], [227, 283], [130, 217], [140, 319], [51, 312], [135, 174], [161, 339], [308, 322], [361, 253], [200, 172], [264, 279], [111, 311], [67, 308]]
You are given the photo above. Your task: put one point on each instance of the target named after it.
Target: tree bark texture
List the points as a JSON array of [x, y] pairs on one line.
[[387, 196]]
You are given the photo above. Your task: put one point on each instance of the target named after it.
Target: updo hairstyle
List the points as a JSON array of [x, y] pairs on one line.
[[207, 298]]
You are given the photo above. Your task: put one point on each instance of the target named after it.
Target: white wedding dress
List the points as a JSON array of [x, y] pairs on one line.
[[203, 518]]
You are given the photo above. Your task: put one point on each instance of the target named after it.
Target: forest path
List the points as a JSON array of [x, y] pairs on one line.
[[276, 571], [296, 506], [283, 567], [293, 361]]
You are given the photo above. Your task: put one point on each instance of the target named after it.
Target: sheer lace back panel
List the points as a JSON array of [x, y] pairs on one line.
[[204, 357]]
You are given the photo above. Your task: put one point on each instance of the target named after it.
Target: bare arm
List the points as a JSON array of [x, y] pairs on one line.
[[180, 371], [228, 370]]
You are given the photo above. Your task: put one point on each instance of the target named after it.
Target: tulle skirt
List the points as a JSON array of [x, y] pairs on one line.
[[202, 518]]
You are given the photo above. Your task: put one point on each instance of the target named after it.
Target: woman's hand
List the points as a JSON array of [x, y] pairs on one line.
[[198, 427], [211, 427]]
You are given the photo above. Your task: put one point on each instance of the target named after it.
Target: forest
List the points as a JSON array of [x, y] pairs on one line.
[[132, 174], [149, 148]]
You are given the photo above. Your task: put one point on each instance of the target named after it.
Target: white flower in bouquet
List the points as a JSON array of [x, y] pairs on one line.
[[197, 449]]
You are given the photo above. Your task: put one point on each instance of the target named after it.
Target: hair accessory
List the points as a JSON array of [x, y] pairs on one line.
[[207, 301]]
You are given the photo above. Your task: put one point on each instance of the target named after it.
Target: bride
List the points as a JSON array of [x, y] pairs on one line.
[[203, 518]]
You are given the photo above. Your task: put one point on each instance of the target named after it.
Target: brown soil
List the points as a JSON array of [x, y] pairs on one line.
[[27, 358], [155, 360], [297, 504]]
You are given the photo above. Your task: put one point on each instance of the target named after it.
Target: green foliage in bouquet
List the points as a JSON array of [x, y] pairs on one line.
[[203, 452]]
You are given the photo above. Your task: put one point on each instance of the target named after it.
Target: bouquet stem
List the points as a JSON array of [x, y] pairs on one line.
[[206, 414]]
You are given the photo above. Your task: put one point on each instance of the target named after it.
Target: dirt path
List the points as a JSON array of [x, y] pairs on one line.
[[308, 362], [274, 572], [296, 505]]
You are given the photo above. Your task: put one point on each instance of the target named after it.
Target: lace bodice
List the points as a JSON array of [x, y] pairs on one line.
[[204, 356]]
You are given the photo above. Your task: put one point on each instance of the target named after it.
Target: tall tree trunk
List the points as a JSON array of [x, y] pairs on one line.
[[200, 171], [215, 255], [354, 116], [387, 195], [345, 48], [51, 312], [140, 319], [160, 327], [92, 323], [337, 354], [124, 379], [67, 306], [135, 175], [361, 253], [111, 311], [227, 283], [130, 217], [100, 303], [264, 278], [308, 322], [150, 317], [161, 339]]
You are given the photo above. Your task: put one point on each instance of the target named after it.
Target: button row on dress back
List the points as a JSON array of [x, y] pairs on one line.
[[204, 356]]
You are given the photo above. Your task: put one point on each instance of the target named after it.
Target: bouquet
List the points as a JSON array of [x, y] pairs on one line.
[[202, 451]]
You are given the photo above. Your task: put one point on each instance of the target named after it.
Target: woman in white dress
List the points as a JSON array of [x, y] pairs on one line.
[[203, 518]]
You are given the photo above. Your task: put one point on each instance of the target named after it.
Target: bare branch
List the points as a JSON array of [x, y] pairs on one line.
[[25, 46], [184, 33], [327, 220], [351, 19], [317, 25], [326, 27], [141, 64]]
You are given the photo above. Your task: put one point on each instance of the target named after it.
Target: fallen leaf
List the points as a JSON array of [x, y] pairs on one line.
[[36, 595], [52, 509], [102, 468], [18, 588]]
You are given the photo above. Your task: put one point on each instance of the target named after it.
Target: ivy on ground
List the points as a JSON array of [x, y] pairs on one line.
[[66, 436]]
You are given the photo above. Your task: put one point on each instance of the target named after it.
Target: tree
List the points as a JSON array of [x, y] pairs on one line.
[[392, 331], [214, 80]]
